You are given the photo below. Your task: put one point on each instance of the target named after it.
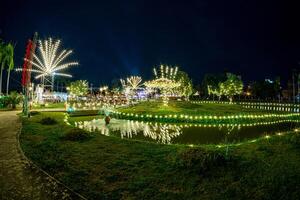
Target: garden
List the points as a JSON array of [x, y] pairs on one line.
[[107, 167], [156, 138], [151, 141]]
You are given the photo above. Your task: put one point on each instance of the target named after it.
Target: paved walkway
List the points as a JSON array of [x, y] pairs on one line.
[[18, 178]]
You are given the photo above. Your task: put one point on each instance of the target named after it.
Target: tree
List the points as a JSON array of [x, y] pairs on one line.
[[78, 88], [62, 82], [231, 87], [10, 62], [210, 83], [6, 59], [214, 91], [116, 85], [266, 89], [186, 85]]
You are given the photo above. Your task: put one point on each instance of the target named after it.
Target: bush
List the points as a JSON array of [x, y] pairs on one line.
[[33, 113], [295, 139], [14, 99], [201, 159], [76, 134], [48, 121], [4, 101]]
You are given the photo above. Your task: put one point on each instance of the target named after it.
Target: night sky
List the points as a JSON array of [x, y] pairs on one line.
[[114, 39]]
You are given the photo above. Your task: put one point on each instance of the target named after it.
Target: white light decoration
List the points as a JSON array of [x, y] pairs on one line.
[[49, 61], [164, 133], [78, 88], [164, 80], [103, 88], [134, 82], [263, 118], [130, 85]]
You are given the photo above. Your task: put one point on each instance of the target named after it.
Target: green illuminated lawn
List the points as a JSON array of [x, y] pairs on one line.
[[49, 105], [104, 167], [183, 107]]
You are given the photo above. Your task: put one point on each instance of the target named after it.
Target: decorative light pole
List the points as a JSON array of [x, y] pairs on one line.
[[26, 72], [48, 62]]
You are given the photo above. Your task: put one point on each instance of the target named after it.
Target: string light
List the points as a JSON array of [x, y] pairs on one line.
[[78, 88], [258, 105], [165, 81], [161, 132], [134, 82], [49, 61], [204, 118]]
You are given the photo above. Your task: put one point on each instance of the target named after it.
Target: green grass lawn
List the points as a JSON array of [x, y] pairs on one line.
[[183, 107], [84, 118], [101, 167], [39, 106], [10, 109], [49, 105]]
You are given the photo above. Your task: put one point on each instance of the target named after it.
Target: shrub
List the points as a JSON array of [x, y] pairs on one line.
[[201, 159], [4, 101], [14, 99], [33, 113], [48, 121], [295, 139], [76, 134]]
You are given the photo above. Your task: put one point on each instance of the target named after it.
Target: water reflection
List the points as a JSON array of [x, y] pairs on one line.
[[185, 133], [162, 133]]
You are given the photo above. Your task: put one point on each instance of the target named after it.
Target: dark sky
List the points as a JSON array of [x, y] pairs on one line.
[[113, 39]]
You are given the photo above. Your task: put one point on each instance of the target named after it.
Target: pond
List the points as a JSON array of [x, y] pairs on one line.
[[186, 133]]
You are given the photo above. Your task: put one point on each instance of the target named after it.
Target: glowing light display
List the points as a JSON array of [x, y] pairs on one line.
[[131, 85], [134, 82], [287, 107], [163, 132], [205, 118], [78, 88], [164, 81], [49, 61]]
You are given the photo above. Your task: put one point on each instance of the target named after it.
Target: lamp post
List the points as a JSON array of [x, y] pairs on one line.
[[52, 81], [91, 88]]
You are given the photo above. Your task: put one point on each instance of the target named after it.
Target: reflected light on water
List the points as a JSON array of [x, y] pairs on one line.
[[189, 133], [162, 133]]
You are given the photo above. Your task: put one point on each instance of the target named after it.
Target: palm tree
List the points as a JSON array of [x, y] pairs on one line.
[[10, 62]]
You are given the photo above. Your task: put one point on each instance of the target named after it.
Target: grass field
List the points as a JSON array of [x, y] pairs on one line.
[[101, 167], [49, 105], [180, 107]]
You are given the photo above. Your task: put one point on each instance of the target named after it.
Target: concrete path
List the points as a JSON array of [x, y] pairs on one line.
[[18, 178]]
